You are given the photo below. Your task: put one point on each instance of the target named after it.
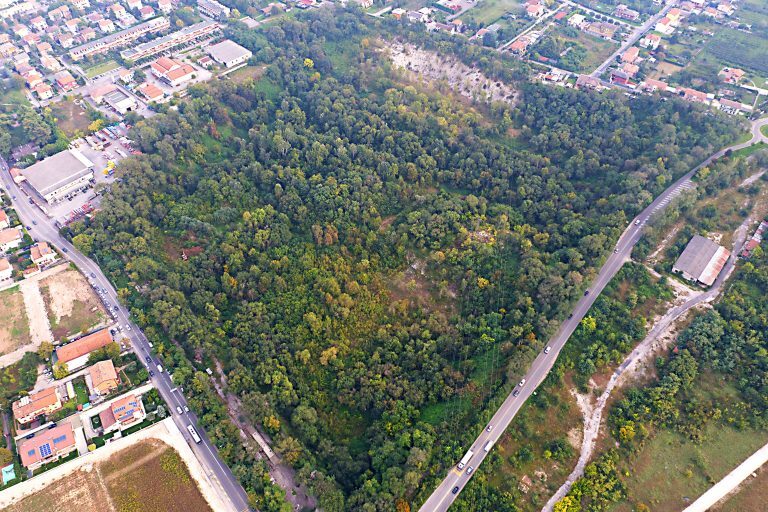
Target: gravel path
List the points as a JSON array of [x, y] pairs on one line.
[[39, 326]]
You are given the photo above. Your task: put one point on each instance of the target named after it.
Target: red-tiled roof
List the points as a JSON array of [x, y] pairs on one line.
[[46, 443], [84, 345]]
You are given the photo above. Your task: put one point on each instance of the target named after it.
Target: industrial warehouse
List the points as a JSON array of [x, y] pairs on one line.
[[59, 176], [701, 261]]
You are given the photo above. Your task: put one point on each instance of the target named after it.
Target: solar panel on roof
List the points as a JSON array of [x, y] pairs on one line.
[[31, 452], [45, 450], [59, 439]]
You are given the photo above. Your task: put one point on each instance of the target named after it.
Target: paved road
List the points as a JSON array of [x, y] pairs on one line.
[[633, 38], [442, 498], [730, 482], [44, 229]]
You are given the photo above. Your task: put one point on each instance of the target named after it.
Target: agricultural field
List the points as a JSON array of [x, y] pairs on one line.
[[14, 325], [70, 117], [740, 49], [71, 303], [145, 477]]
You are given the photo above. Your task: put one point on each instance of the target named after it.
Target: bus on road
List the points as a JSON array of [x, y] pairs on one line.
[[193, 433]]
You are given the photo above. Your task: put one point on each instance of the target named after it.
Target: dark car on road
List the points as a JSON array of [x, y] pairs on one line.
[[455, 490], [516, 392]]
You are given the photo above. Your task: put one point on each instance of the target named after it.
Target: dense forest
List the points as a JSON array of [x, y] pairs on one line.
[[354, 251]]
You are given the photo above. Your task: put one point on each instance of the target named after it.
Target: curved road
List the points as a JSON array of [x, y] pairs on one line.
[[446, 493], [43, 228]]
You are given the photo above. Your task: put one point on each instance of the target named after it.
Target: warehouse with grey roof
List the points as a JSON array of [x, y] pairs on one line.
[[59, 176], [701, 261]]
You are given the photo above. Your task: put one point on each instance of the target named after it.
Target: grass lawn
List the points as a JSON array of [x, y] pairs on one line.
[[488, 11], [98, 69], [688, 468], [749, 150], [764, 130], [81, 390], [246, 73], [14, 326]]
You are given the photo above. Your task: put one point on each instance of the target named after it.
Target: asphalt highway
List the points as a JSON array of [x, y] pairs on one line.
[[44, 229], [445, 494]]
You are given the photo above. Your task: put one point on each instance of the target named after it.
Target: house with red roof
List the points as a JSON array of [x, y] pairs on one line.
[[47, 446]]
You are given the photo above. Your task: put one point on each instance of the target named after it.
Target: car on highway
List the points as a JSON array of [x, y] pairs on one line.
[[547, 350], [637, 222], [522, 383], [64, 249], [160, 368], [178, 410], [516, 392], [29, 227], [616, 250], [489, 428], [148, 359], [93, 275], [186, 409], [128, 327], [586, 292], [151, 373], [34, 223], [570, 315], [455, 490], [470, 469]]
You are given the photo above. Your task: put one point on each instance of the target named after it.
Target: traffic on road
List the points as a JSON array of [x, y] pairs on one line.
[[215, 469], [456, 479]]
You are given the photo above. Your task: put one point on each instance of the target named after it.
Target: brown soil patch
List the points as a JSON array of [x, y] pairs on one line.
[[386, 222], [14, 327], [72, 305], [413, 286]]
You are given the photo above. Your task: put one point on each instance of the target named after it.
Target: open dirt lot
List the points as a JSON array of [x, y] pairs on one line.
[[71, 303], [148, 476], [14, 327], [70, 117], [432, 67]]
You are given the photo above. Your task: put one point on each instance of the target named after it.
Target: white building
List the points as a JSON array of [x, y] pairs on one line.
[[60, 176], [229, 53]]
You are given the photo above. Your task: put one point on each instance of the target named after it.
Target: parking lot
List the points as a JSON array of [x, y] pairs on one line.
[[115, 150]]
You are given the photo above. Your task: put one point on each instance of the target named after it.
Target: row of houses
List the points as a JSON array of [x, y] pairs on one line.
[[119, 39], [183, 36], [58, 441]]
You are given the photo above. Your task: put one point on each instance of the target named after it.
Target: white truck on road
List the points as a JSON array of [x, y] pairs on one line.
[[465, 459]]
